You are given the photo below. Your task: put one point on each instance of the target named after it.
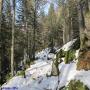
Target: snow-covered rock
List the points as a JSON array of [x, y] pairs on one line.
[[67, 46]]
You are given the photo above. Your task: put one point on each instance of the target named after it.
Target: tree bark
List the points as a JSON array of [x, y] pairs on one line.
[[73, 12], [86, 6], [67, 25], [34, 30], [12, 3], [82, 25], [1, 7]]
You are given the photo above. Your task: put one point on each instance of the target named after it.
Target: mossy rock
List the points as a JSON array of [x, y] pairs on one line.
[[60, 55], [75, 85], [76, 44], [55, 64], [69, 56], [55, 69]]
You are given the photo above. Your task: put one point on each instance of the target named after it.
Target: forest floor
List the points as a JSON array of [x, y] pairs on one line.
[[38, 75]]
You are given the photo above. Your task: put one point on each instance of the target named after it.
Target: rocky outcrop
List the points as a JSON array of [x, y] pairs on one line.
[[84, 60]]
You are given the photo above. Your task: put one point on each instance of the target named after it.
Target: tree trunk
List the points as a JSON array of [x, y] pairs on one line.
[[65, 25], [34, 32], [67, 32], [86, 6], [1, 6], [64, 33], [73, 12], [26, 28], [12, 3], [82, 26]]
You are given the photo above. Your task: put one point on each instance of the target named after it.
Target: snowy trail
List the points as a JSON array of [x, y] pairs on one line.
[[38, 69], [34, 76], [67, 73], [64, 75]]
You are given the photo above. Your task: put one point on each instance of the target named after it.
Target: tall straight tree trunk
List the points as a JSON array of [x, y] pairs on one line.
[[12, 3], [64, 30], [1, 12], [26, 28], [64, 33], [67, 25], [1, 7], [82, 25], [73, 12], [34, 31], [87, 6], [27, 41]]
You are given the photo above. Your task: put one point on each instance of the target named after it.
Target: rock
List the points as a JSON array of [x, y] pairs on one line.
[[87, 43], [55, 69], [84, 61], [83, 64]]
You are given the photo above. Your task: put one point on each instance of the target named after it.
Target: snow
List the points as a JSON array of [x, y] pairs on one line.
[[68, 45], [42, 83], [37, 76], [68, 72], [77, 53], [41, 68], [83, 76], [16, 81], [43, 54]]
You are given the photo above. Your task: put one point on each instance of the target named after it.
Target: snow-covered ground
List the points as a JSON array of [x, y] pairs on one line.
[[37, 76]]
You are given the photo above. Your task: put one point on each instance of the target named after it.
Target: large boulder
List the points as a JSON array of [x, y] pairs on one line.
[[84, 60]]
